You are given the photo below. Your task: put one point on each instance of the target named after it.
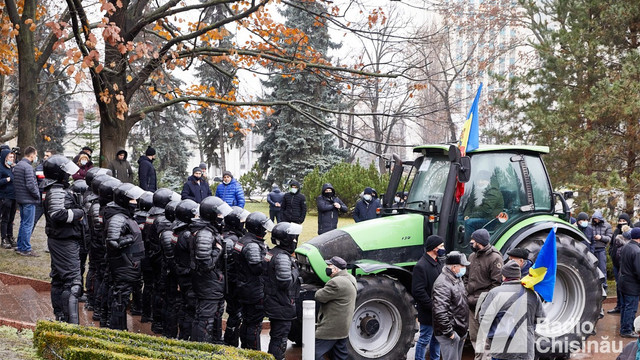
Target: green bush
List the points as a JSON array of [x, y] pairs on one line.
[[53, 339], [349, 180]]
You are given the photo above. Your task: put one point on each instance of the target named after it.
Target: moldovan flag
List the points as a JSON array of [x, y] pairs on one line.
[[469, 140], [542, 275]]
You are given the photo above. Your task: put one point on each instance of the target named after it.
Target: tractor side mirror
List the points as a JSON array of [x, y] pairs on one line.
[[464, 171]]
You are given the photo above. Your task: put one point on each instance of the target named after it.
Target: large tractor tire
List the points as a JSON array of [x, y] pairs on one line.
[[577, 298], [384, 322]]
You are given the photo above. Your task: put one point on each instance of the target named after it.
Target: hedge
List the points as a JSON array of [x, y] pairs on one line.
[[53, 339]]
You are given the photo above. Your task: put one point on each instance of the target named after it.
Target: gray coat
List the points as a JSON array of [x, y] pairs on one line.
[[603, 228], [521, 308], [338, 302], [26, 184], [450, 308]]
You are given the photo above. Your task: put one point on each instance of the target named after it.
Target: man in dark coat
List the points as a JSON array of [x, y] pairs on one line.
[[27, 196], [586, 229], [294, 204], [146, 171], [366, 208], [521, 257], [121, 168], [630, 283], [425, 274], [274, 198], [329, 205], [602, 235], [485, 273], [7, 198], [196, 188]]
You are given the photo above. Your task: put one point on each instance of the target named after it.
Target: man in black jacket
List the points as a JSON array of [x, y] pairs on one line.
[[27, 196], [196, 187], [64, 229], [274, 198], [425, 274], [146, 171], [630, 283], [329, 205], [294, 205]]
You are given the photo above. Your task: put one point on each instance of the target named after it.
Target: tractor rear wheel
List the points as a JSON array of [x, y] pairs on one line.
[[384, 322], [577, 298]]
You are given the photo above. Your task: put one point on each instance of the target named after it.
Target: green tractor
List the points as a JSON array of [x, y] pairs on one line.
[[382, 252]]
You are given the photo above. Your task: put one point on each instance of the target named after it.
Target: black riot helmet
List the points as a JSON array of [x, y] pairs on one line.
[[234, 221], [258, 224], [213, 208], [107, 187], [170, 210], [79, 186], [186, 210], [97, 180], [145, 202], [94, 172], [285, 235], [59, 168], [163, 196], [123, 194]]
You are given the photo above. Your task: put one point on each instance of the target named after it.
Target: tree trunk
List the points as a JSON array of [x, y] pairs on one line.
[[112, 137], [28, 79], [223, 159]]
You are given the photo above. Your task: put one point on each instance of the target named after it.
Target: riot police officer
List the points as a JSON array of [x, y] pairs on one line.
[[281, 285], [64, 214], [144, 203], [168, 230], [249, 254], [125, 250], [79, 188], [186, 211], [233, 230], [208, 273]]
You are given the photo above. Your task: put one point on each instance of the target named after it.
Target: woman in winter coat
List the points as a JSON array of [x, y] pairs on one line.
[[84, 163]]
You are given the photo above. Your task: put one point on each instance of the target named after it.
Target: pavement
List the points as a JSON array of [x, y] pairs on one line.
[[606, 344]]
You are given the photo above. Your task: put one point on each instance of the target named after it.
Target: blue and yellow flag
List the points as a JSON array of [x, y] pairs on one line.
[[469, 139], [542, 275]]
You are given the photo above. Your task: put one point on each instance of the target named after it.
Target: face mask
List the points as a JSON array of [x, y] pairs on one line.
[[367, 197], [621, 225], [227, 182], [9, 162], [396, 199], [83, 162], [328, 271], [36, 159], [197, 176], [442, 252], [461, 272], [583, 224], [327, 194], [474, 249], [294, 190]]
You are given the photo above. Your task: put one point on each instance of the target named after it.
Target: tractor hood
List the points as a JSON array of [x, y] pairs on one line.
[[394, 240]]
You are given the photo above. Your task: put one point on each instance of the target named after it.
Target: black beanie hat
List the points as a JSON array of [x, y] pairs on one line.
[[481, 236], [432, 242], [150, 151], [583, 216], [196, 169]]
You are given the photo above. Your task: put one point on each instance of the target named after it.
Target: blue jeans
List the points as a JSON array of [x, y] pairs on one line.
[[602, 263], [27, 213], [427, 339], [628, 313]]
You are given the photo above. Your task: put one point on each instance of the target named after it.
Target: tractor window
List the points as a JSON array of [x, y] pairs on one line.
[[539, 182], [429, 182], [492, 198]]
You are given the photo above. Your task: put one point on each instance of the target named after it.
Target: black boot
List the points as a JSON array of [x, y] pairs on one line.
[[6, 244]]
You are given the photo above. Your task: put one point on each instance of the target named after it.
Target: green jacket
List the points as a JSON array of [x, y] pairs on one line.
[[338, 301]]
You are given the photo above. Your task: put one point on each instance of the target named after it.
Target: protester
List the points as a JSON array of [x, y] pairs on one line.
[[121, 168], [230, 190], [84, 164], [484, 275], [27, 196], [329, 205], [294, 204], [505, 309], [7, 198], [281, 285], [398, 201], [521, 257], [203, 167], [85, 150], [337, 303], [65, 231], [450, 307], [274, 198], [425, 274], [630, 283], [602, 234], [146, 170], [617, 241], [196, 187], [586, 229], [367, 207], [40, 176]]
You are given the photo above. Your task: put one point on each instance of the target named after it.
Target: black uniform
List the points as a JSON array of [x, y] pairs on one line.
[[183, 270], [91, 285], [281, 287], [64, 229], [168, 233], [249, 254], [208, 282], [137, 307], [125, 251], [153, 295], [234, 308]]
